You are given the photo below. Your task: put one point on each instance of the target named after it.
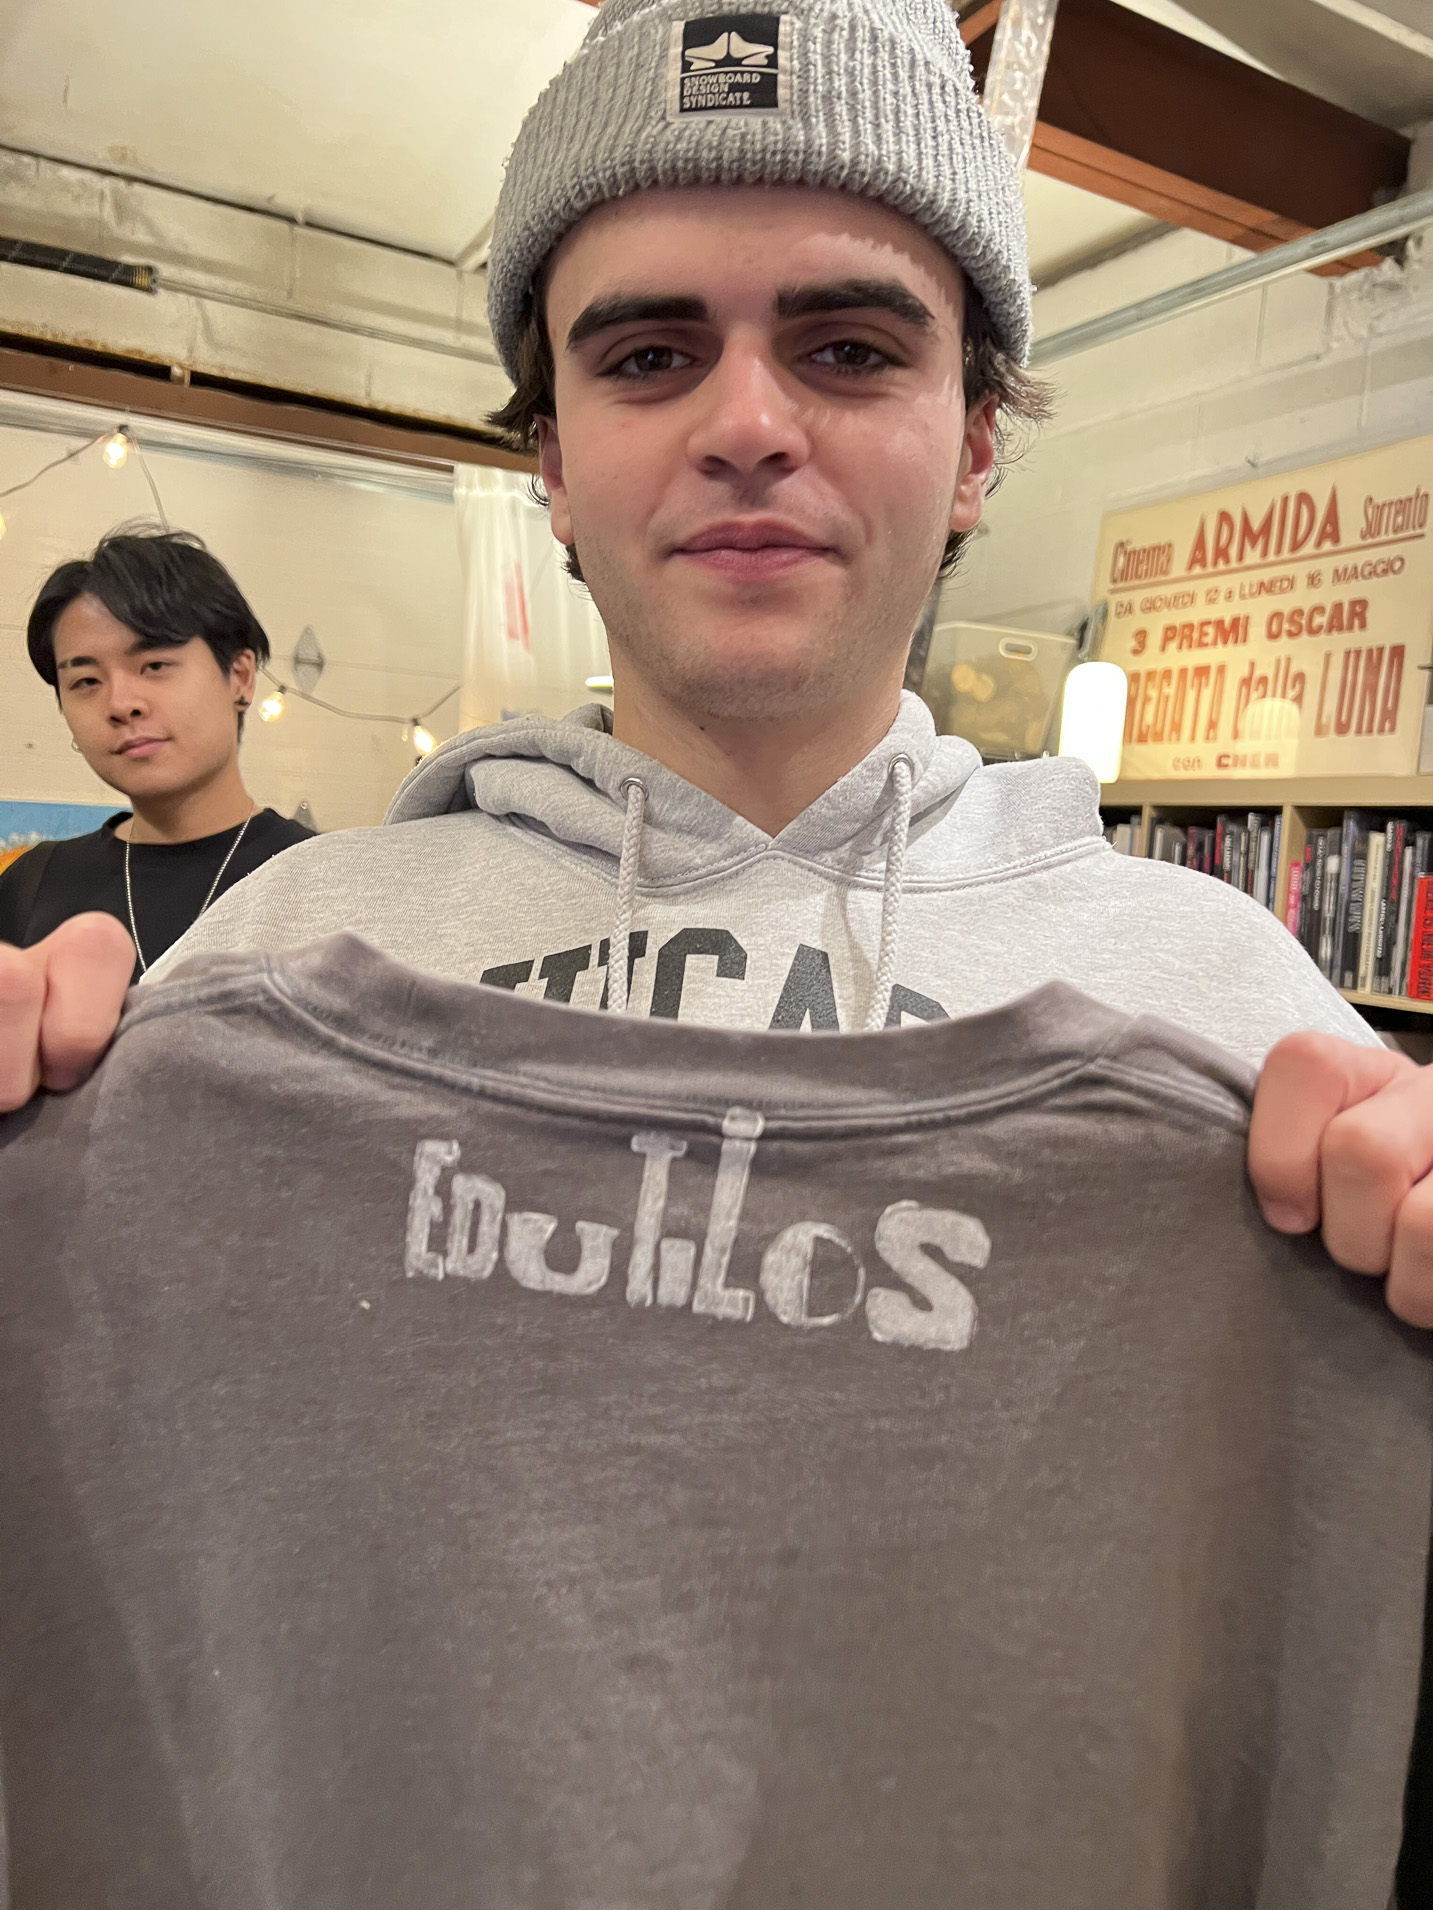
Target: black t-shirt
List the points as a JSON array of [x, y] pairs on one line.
[[55, 880]]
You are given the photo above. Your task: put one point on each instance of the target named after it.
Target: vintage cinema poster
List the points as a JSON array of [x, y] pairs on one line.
[[1281, 627]]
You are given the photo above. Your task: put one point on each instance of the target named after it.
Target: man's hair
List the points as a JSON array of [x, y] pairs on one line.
[[1023, 400], [163, 585]]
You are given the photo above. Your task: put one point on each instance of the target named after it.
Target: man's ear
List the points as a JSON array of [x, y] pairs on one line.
[[549, 469], [977, 465]]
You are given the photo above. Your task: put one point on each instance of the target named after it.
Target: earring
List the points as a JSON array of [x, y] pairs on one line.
[[243, 703], [74, 746]]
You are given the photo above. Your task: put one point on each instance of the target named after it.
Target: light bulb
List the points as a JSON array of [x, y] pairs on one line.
[[116, 449], [272, 708], [1092, 717], [597, 683], [423, 741]]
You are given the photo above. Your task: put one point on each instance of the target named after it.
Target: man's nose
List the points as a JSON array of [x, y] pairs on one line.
[[750, 418]]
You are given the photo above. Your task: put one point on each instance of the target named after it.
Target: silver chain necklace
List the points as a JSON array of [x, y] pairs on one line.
[[213, 886]]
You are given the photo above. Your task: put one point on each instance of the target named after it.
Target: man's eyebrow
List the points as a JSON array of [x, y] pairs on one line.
[[603, 313], [855, 295], [77, 663]]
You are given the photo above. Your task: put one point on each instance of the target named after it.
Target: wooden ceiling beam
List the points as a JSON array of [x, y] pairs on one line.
[[279, 416], [1154, 120]]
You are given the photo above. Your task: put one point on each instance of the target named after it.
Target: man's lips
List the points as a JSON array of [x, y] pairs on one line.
[[753, 548], [140, 746]]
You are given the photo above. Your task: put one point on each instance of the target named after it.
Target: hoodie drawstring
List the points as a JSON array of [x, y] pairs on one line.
[[892, 891], [891, 894], [618, 965]]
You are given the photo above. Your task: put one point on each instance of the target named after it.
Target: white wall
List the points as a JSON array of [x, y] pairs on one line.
[[374, 572], [1286, 375]]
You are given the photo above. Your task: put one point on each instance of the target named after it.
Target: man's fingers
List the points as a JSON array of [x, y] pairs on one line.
[[1307, 1081], [1410, 1274], [87, 965], [22, 996], [1374, 1154]]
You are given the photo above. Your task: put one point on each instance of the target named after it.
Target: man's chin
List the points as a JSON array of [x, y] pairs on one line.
[[752, 683]]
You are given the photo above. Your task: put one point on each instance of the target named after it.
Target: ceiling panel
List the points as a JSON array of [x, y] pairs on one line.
[[389, 119]]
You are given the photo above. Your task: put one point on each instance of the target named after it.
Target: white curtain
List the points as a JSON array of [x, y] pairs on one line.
[[531, 636]]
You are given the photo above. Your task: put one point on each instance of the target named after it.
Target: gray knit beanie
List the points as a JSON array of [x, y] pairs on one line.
[[874, 97]]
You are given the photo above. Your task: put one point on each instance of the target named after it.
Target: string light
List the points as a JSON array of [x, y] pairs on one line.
[[411, 726], [272, 707], [116, 448], [423, 740]]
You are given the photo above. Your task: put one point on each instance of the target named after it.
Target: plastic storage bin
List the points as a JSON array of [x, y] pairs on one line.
[[998, 688]]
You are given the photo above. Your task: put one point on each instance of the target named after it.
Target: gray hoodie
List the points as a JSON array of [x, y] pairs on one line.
[[921, 885]]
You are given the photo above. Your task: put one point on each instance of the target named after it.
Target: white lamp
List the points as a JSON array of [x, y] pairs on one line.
[[1092, 717]]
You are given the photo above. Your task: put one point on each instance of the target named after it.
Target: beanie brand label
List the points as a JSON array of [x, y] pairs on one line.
[[730, 63]]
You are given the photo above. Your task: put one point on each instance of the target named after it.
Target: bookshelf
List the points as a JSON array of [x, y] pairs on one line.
[[1309, 802]]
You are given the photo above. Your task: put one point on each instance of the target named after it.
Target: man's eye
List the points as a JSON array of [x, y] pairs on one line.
[[851, 354], [650, 361]]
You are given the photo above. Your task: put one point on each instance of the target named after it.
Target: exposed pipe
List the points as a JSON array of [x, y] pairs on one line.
[[145, 278], [269, 308], [76, 265], [1377, 227]]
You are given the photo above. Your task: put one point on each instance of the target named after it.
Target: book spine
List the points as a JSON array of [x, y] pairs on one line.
[[1368, 925], [1420, 982], [1388, 904], [1259, 888], [1353, 913], [1333, 891], [1276, 849], [1347, 837], [1294, 899], [1398, 969], [1319, 912], [1307, 902]]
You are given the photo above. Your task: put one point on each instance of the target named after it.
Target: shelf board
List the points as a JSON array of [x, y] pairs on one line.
[[1402, 1002], [1272, 792]]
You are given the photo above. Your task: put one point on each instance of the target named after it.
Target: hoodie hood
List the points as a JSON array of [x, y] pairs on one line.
[[568, 778], [533, 854]]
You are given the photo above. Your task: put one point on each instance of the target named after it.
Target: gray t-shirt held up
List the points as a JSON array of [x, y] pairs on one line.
[[463, 1451]]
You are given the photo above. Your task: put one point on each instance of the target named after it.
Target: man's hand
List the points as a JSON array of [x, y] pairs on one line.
[[1343, 1136], [59, 1004]]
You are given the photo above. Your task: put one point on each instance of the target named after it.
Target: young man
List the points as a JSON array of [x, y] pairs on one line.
[[153, 654], [762, 308], [636, 1584]]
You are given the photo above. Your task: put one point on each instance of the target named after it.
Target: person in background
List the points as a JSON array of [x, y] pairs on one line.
[[153, 655]]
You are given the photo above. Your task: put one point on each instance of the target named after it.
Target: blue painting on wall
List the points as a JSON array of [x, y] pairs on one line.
[[24, 823]]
